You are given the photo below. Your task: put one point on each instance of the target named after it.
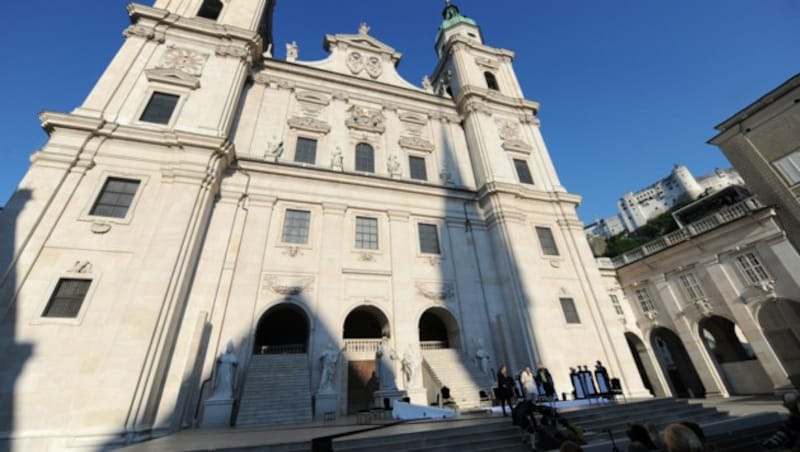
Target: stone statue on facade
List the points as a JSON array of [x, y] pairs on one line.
[[274, 151], [327, 364], [337, 159], [412, 361], [226, 375], [426, 84], [393, 166], [484, 361], [384, 365], [292, 51]]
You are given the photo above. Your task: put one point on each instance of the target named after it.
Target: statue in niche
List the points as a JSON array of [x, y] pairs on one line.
[[274, 151], [337, 159], [393, 166], [384, 365], [328, 361], [226, 374]]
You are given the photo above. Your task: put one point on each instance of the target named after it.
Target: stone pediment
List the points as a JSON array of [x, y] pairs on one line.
[[362, 56], [173, 77]]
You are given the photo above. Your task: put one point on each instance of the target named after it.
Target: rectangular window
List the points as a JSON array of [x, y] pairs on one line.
[[67, 299], [306, 151], [159, 108], [570, 312], [365, 158], [547, 241], [617, 306], [417, 169], [644, 300], [691, 286], [115, 198], [523, 172], [295, 226], [752, 268], [367, 233], [428, 238], [789, 166]]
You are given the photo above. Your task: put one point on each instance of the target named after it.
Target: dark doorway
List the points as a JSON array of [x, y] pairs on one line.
[[780, 321], [282, 329], [366, 323], [361, 384], [638, 350], [719, 336], [677, 365], [438, 329]]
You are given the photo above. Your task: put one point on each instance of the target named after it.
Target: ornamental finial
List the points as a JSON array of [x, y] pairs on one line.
[[363, 28]]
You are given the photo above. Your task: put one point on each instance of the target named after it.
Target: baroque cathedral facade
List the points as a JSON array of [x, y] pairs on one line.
[[207, 197]]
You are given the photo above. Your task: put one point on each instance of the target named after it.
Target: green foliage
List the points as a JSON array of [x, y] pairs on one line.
[[655, 228]]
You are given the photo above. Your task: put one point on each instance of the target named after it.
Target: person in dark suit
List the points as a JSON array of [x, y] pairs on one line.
[[504, 388]]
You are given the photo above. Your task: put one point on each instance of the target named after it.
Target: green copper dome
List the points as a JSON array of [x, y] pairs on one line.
[[452, 17]]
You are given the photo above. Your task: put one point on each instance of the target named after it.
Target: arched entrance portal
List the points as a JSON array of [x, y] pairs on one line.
[[438, 329], [282, 329], [366, 322], [735, 359], [363, 329], [644, 364], [676, 364], [780, 321]]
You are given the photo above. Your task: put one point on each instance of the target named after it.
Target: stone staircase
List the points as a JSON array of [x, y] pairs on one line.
[[460, 374], [483, 434], [276, 391]]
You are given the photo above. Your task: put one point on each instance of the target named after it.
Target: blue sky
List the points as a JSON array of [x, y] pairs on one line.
[[627, 87]]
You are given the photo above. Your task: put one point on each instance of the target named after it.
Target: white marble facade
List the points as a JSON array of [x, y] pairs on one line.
[[201, 252]]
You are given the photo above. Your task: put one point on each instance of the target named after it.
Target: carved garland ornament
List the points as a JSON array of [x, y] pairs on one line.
[[435, 291], [509, 131], [366, 119], [309, 124], [289, 289]]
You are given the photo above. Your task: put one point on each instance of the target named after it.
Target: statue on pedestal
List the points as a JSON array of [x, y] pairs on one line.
[[412, 361], [384, 365], [226, 375], [327, 364], [482, 356]]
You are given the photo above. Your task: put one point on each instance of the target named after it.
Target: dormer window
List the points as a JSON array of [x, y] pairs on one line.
[[210, 9], [491, 81]]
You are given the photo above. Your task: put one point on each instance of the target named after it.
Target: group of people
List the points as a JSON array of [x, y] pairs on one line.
[[585, 386], [527, 386]]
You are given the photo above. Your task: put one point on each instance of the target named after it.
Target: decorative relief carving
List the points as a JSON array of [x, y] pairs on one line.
[[357, 63], [341, 95], [652, 316], [434, 261], [100, 227], [292, 251], [312, 103], [487, 62], [446, 177], [186, 61], [309, 124], [509, 131], [703, 307], [367, 119], [366, 257], [413, 118], [393, 166], [416, 143], [435, 291], [82, 267], [288, 286], [144, 32], [242, 52]]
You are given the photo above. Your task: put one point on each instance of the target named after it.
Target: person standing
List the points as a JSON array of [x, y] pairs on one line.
[[545, 381], [504, 388], [528, 385]]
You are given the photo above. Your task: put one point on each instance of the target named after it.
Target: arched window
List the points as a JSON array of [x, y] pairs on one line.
[[210, 9], [491, 81], [365, 158]]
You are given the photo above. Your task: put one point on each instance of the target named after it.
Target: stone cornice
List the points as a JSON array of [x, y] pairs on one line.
[[319, 80], [233, 41], [323, 174], [522, 192], [456, 42], [491, 100]]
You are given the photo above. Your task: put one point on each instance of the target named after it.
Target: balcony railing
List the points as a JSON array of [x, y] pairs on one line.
[[705, 224], [362, 345], [433, 345]]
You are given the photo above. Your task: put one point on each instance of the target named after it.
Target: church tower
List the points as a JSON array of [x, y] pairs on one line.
[[552, 291]]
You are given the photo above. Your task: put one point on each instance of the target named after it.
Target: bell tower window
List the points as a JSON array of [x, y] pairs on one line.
[[210, 9], [491, 81]]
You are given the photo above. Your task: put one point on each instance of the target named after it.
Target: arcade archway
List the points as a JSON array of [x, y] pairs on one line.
[[736, 362], [644, 364], [366, 322], [363, 330], [282, 329], [676, 364], [438, 329], [780, 322]]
